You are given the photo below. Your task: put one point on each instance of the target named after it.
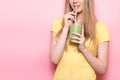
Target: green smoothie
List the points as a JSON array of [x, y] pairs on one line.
[[75, 27]]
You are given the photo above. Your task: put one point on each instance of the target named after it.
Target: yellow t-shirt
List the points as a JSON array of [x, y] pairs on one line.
[[73, 65]]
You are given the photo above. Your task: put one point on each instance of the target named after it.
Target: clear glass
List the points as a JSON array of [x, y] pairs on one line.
[[75, 27]]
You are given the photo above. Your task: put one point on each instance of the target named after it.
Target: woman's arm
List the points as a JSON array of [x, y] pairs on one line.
[[99, 63], [57, 45]]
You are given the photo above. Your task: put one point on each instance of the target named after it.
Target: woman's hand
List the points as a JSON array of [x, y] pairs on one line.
[[69, 18], [79, 38]]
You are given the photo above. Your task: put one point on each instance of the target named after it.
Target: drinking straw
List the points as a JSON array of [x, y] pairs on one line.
[[75, 17]]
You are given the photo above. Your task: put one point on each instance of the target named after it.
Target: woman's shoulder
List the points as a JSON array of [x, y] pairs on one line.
[[102, 32], [57, 24], [100, 25], [58, 19]]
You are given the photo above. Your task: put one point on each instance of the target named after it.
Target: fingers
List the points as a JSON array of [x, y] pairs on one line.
[[74, 41], [77, 38], [69, 17], [77, 34], [72, 13]]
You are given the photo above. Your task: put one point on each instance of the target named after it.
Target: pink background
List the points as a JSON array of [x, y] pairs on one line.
[[25, 37]]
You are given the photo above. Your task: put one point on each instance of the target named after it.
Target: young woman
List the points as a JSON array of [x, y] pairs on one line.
[[89, 54]]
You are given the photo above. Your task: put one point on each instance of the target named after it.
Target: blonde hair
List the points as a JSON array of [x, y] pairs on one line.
[[90, 20]]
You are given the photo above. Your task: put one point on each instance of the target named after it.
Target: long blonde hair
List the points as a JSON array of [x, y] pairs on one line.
[[90, 20]]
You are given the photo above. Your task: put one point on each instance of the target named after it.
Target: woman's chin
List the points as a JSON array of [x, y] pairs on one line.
[[79, 11]]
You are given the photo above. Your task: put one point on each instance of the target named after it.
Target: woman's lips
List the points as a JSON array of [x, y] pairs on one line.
[[76, 6]]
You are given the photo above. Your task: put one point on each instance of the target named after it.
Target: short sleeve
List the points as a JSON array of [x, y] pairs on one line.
[[102, 32], [57, 25]]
